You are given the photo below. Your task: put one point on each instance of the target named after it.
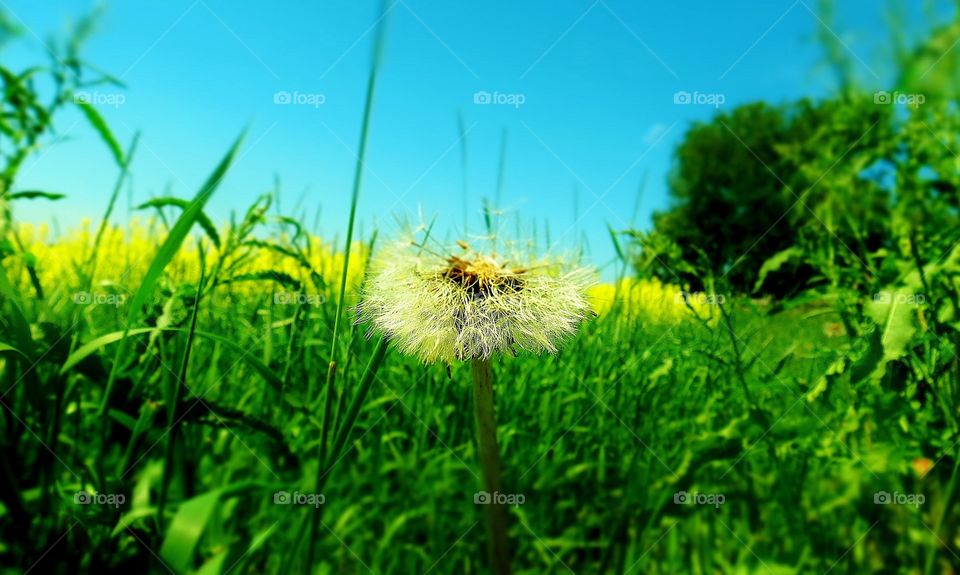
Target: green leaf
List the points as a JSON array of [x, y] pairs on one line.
[[186, 529], [93, 346], [90, 347], [202, 219], [775, 262], [616, 242], [4, 348], [123, 419], [893, 312], [100, 125], [18, 325], [6, 248], [34, 194], [128, 518], [213, 565], [487, 221], [282, 278], [259, 540], [280, 250]]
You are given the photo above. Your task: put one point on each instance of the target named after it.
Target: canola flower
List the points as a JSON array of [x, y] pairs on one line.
[[471, 305], [127, 251], [125, 254], [659, 302]]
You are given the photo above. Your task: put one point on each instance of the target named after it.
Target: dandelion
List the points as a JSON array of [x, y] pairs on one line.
[[470, 306]]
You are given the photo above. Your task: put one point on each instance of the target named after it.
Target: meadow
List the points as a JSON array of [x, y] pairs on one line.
[[655, 400], [189, 396]]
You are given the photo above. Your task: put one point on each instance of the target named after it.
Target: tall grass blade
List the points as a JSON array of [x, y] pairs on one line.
[[355, 195], [202, 220], [100, 125]]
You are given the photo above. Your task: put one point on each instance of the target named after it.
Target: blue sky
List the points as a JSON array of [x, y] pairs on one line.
[[583, 90]]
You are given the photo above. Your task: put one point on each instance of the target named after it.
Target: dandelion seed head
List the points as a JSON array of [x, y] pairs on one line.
[[472, 305]]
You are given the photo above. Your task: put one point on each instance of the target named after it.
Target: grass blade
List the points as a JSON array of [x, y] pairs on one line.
[[35, 194], [202, 219], [100, 125], [186, 529], [357, 183], [92, 347]]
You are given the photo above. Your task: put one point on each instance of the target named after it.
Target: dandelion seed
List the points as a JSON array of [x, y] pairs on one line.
[[472, 305]]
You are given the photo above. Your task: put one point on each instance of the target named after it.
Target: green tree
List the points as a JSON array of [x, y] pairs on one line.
[[724, 186], [746, 184]]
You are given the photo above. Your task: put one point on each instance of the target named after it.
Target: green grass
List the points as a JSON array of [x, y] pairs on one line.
[[597, 440]]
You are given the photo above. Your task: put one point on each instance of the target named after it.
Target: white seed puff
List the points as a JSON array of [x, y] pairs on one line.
[[472, 305]]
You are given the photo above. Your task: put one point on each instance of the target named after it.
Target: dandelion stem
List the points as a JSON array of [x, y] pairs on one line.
[[490, 463]]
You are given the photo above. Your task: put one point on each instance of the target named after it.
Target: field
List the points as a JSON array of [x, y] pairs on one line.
[[185, 395], [647, 402]]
